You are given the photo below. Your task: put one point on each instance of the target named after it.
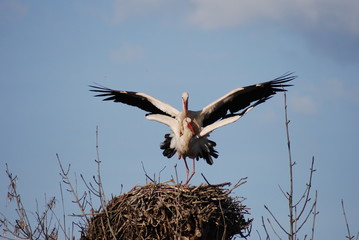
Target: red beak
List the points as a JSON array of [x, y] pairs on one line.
[[191, 128]]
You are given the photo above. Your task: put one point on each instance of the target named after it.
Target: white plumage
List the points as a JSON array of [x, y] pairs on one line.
[[190, 129]]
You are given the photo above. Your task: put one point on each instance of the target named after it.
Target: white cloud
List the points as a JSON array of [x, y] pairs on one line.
[[303, 104], [329, 27], [10, 9], [118, 11], [135, 8], [211, 14], [341, 93], [328, 94], [126, 53]]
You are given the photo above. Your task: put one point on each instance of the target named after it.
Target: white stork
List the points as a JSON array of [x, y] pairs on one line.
[[190, 129]]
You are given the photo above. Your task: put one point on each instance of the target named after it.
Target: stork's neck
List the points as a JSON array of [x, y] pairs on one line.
[[185, 108], [185, 104]]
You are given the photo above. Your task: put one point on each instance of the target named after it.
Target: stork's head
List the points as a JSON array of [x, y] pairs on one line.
[[185, 102], [185, 96]]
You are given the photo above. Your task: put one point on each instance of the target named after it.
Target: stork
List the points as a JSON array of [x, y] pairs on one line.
[[191, 129]]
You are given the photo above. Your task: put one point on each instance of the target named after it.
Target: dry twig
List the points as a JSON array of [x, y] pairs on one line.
[[21, 228], [295, 225], [350, 237]]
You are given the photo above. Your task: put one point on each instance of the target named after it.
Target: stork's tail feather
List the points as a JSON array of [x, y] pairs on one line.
[[208, 151], [166, 147]]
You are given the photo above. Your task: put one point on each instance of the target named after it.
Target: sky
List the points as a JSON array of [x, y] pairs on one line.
[[50, 51]]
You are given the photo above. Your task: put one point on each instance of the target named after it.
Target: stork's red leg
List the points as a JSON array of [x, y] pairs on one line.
[[193, 170], [187, 170]]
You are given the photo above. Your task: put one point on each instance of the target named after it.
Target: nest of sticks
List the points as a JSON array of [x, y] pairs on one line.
[[162, 211]]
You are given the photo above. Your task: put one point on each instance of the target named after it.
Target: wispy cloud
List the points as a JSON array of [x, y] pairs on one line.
[[211, 14], [326, 95], [12, 9], [329, 26], [134, 8], [342, 93], [119, 11], [303, 104], [126, 53], [325, 13]]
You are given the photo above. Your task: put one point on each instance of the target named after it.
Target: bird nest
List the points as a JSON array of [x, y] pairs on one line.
[[162, 211]]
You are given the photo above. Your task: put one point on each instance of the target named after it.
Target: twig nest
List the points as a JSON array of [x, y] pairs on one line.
[[162, 211]]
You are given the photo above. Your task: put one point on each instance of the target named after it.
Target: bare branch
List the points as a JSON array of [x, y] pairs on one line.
[[296, 210], [306, 218], [90, 187], [100, 187], [275, 219], [44, 226], [63, 211], [305, 193], [159, 174], [309, 186], [239, 183], [259, 235], [284, 194], [265, 229], [144, 170], [66, 179], [205, 179], [315, 213], [23, 224], [350, 237], [291, 185], [175, 166], [270, 224]]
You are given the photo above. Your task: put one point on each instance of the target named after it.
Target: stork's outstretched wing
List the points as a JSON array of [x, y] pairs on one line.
[[241, 98], [140, 100]]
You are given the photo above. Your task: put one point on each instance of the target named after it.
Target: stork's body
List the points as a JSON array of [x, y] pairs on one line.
[[190, 129]]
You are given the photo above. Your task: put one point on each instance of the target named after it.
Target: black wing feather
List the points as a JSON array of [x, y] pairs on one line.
[[127, 97], [249, 94]]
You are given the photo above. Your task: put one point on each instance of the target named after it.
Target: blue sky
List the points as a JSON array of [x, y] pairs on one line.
[[51, 51]]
